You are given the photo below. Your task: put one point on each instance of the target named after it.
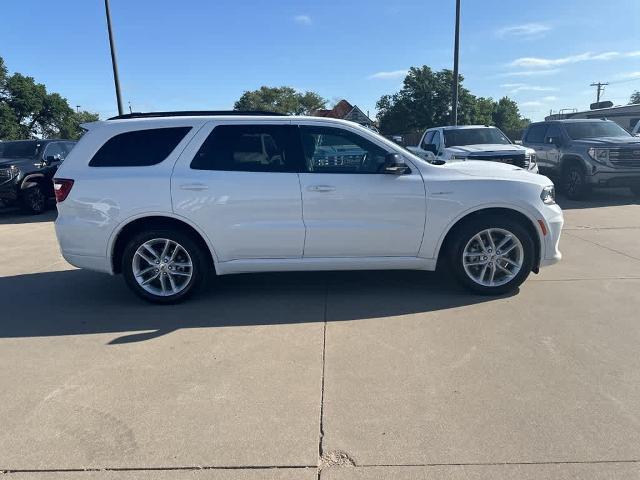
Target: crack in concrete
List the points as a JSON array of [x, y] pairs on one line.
[[324, 352]]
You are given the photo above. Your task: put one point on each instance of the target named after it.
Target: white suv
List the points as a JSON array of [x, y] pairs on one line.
[[168, 198]]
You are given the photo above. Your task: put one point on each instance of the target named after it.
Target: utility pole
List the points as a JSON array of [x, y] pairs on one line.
[[456, 49], [114, 61], [600, 88]]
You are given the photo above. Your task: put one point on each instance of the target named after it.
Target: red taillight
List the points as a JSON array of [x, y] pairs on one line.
[[62, 187]]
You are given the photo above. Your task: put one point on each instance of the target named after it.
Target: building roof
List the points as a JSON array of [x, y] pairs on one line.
[[345, 111]]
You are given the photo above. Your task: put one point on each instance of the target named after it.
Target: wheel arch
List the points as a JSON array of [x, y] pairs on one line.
[[141, 223], [571, 159], [510, 212]]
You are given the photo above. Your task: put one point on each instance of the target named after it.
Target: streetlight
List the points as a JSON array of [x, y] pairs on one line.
[[456, 49], [114, 62]]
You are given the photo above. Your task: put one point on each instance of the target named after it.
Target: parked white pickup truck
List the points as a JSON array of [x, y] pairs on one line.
[[473, 142]]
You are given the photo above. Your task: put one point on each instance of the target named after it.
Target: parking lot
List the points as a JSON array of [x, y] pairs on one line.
[[354, 375]]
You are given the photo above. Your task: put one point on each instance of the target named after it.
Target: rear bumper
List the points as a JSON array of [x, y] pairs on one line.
[[97, 264]]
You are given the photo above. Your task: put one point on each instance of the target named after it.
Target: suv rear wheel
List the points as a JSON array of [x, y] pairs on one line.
[[573, 181], [492, 255], [163, 266]]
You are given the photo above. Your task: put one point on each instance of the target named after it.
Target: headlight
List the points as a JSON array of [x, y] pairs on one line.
[[548, 195], [458, 157], [600, 155], [8, 173]]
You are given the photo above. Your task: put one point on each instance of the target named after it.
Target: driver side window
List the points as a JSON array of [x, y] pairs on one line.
[[428, 138], [334, 150]]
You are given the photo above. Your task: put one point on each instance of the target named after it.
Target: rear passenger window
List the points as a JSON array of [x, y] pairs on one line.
[[536, 133], [139, 148], [248, 148]]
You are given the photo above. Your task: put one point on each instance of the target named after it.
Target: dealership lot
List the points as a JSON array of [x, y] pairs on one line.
[[362, 374]]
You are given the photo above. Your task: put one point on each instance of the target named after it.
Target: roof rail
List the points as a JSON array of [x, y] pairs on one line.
[[194, 113]]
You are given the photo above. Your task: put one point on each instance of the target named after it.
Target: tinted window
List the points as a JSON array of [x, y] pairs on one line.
[[139, 148], [474, 136], [334, 150], [535, 134], [24, 149], [55, 149], [248, 148], [427, 139], [552, 132], [595, 129]]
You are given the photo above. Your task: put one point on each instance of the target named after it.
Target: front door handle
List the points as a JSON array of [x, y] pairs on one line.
[[196, 187], [321, 188]]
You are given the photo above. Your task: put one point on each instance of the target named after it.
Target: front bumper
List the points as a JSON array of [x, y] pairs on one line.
[[9, 190], [612, 177], [554, 220]]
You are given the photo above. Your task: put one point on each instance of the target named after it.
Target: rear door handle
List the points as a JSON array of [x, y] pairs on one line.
[[321, 188], [196, 187]]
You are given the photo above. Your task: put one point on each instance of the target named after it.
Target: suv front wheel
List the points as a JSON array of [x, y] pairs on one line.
[[492, 256], [163, 266], [33, 200], [574, 183]]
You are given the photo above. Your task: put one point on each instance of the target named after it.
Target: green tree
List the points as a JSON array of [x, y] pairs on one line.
[[635, 97], [27, 110], [425, 101], [506, 117], [281, 100]]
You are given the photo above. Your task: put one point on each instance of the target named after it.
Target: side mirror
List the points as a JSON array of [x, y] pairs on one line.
[[394, 165], [430, 147]]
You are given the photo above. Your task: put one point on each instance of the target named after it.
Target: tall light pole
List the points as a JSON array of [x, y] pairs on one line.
[[114, 62], [456, 49]]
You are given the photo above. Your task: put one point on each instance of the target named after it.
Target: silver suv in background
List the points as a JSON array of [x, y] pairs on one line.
[[473, 142], [586, 153]]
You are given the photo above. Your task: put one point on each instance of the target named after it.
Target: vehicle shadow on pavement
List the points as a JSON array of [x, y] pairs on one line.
[[600, 198], [13, 215], [79, 302]]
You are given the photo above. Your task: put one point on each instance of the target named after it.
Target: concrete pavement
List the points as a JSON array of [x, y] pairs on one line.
[[353, 375]]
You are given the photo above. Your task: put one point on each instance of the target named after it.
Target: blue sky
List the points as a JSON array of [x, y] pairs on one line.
[[201, 54]]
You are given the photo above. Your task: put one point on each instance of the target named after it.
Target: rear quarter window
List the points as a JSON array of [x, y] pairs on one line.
[[139, 148]]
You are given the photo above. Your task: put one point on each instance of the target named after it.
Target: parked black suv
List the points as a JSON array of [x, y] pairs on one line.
[[585, 153], [26, 171]]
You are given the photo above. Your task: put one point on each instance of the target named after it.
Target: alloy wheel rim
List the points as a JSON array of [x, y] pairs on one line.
[[162, 267], [493, 257], [573, 181]]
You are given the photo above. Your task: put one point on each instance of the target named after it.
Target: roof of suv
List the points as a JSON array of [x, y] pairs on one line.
[[197, 113], [460, 127], [572, 120]]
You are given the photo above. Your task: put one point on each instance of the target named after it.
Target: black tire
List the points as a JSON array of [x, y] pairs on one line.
[[33, 200], [200, 273], [573, 182], [467, 231]]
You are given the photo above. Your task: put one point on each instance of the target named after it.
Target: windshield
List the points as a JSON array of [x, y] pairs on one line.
[[595, 129], [24, 149], [474, 136]]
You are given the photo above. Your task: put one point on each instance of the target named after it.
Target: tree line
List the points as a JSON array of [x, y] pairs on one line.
[[27, 110]]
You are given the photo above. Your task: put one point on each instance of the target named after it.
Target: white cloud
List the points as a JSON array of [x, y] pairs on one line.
[[549, 98], [302, 19], [537, 62], [394, 74], [523, 87], [530, 104], [531, 73], [524, 30], [630, 75]]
